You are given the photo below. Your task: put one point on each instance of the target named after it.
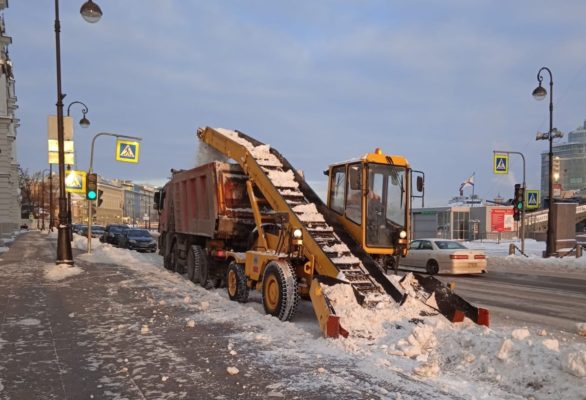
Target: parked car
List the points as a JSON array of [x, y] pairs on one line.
[[112, 233], [138, 239], [97, 231], [76, 227], [443, 256]]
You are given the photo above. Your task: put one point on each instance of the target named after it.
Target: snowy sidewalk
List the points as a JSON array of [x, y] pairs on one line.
[[100, 335]]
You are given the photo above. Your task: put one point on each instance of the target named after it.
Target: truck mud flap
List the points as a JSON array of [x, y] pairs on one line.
[[448, 303], [329, 322]]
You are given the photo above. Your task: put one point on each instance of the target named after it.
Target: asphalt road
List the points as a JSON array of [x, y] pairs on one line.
[[555, 299]]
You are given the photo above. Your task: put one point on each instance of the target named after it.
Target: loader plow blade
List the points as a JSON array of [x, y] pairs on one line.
[[329, 322], [439, 296]]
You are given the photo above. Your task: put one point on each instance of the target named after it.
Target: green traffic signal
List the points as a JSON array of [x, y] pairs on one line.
[[520, 205], [91, 195]]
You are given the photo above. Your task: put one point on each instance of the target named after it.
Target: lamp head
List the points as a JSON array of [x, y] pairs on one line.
[[539, 93], [91, 12], [84, 122]]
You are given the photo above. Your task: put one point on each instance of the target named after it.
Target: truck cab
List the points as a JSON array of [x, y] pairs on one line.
[[371, 197]]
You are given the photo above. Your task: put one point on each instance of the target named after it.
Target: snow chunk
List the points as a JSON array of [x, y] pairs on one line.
[[552, 344], [232, 370], [283, 179], [262, 154], [520, 334], [308, 213], [505, 349], [59, 272], [29, 322], [574, 362], [428, 370]]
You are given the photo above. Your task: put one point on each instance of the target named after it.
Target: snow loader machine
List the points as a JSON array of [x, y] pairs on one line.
[[286, 243]]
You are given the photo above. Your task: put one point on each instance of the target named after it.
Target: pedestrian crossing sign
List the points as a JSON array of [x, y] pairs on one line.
[[501, 163], [531, 199], [75, 181], [127, 150]]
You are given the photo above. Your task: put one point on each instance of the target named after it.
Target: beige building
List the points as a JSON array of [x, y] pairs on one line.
[[110, 203], [9, 189], [122, 202]]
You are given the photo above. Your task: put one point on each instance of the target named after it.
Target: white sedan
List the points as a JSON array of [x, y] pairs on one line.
[[443, 256]]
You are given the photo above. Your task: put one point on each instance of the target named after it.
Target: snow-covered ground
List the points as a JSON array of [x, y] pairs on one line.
[[386, 345]]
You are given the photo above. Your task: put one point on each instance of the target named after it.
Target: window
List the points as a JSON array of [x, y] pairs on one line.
[[425, 245], [337, 185], [354, 193], [415, 245]]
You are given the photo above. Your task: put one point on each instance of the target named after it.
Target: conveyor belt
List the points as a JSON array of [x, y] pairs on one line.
[[349, 266]]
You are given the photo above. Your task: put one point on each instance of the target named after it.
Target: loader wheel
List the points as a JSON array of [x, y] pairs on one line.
[[236, 283], [279, 290], [192, 269], [432, 268]]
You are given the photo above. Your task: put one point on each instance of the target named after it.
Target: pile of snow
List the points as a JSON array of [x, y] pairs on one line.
[[59, 272], [498, 257]]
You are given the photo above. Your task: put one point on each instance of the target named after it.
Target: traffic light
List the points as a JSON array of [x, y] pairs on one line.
[[100, 199], [518, 202], [91, 186]]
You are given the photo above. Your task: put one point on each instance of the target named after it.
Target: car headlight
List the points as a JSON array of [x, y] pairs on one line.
[[297, 233], [132, 241], [403, 234]]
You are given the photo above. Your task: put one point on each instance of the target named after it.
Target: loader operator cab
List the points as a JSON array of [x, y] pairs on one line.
[[371, 197]]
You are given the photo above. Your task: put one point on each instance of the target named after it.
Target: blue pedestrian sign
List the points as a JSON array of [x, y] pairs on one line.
[[75, 181], [531, 199], [127, 150], [501, 163]]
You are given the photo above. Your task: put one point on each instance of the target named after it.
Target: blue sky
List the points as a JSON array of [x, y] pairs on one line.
[[443, 83]]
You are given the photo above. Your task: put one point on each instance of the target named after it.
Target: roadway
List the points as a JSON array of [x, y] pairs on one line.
[[553, 299]]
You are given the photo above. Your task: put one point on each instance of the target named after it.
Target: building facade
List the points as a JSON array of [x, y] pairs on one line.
[[465, 223], [569, 166], [9, 169]]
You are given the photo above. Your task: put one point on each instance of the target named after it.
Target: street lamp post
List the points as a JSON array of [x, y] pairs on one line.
[[539, 94], [84, 123], [91, 170], [43, 199], [90, 12]]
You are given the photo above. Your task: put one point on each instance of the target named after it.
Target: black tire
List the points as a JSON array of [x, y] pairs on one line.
[[179, 267], [236, 283], [168, 260], [192, 268], [432, 267], [279, 290], [201, 266]]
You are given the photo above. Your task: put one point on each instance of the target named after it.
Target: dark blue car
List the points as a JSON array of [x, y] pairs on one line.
[[138, 239]]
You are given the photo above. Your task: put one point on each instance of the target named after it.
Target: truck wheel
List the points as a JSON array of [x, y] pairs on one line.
[[192, 268], [201, 266], [169, 260], [279, 290], [179, 267], [236, 283]]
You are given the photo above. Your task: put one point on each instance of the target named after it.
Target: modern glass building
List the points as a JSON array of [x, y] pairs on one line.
[[569, 165]]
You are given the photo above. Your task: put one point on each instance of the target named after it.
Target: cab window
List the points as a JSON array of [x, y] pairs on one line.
[[338, 184], [354, 193]]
